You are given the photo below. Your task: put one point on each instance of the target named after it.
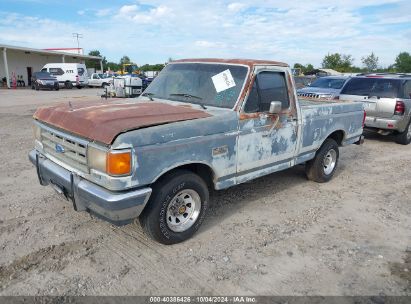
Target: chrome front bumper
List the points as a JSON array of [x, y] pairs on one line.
[[116, 207]]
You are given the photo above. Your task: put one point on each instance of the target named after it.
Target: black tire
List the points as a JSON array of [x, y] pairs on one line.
[[32, 87], [79, 87], [104, 85], [404, 138], [57, 88], [68, 85], [316, 169], [154, 217], [37, 87]]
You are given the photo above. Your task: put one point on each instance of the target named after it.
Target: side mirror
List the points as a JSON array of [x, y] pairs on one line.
[[275, 107]]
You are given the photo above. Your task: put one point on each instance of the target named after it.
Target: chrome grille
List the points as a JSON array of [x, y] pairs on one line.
[[65, 148], [308, 95]]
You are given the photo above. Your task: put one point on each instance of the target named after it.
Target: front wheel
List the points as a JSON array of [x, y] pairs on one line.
[[176, 208], [322, 167], [404, 138]]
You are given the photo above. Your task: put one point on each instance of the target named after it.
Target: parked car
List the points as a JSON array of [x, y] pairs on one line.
[[202, 123], [44, 80], [100, 80], [387, 101], [69, 75], [327, 87], [303, 81]]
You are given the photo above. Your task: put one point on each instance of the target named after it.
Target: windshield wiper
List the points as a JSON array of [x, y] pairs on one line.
[[201, 105], [149, 95], [186, 95], [190, 96]]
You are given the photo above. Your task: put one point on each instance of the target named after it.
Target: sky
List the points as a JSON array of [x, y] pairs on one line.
[[154, 31]]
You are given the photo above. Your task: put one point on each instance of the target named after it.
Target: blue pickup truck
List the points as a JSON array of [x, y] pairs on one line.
[[201, 124]]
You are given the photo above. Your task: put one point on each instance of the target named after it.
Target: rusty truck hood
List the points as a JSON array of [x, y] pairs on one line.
[[103, 120]]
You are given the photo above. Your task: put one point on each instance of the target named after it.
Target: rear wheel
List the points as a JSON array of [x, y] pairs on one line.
[[404, 138], [322, 168], [68, 85], [176, 208]]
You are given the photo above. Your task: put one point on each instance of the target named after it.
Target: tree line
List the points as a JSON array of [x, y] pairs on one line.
[[114, 66], [344, 63]]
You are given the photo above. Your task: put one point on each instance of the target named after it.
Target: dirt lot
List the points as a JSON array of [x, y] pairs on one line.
[[278, 235]]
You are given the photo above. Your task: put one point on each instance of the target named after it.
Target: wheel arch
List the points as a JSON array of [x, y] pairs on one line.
[[203, 170], [338, 136]]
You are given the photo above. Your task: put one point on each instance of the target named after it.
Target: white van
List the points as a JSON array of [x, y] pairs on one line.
[[69, 75]]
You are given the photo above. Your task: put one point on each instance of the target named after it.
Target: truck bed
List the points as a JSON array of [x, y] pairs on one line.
[[322, 118], [308, 102]]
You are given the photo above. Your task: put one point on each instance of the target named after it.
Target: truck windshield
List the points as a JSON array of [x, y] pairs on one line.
[[328, 83], [215, 85], [380, 87]]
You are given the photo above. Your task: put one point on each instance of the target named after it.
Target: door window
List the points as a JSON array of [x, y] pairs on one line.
[[407, 90], [56, 71], [267, 87]]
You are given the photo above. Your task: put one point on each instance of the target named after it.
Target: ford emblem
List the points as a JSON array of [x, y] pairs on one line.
[[59, 148]]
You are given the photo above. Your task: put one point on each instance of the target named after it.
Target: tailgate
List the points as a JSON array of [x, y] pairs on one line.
[[377, 106], [380, 107]]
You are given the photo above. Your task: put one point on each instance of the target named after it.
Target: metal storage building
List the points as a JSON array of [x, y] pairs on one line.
[[25, 61]]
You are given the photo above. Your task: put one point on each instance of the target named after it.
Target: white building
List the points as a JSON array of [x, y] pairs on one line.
[[22, 61]]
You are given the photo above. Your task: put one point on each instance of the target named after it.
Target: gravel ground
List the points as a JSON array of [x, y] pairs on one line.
[[277, 235]]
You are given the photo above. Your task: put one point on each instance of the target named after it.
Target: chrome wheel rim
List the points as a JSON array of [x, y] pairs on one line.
[[329, 161], [183, 210]]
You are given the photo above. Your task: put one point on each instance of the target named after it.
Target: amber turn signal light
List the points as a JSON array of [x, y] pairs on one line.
[[119, 163]]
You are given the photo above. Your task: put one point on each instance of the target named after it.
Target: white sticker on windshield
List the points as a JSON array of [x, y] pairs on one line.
[[223, 81]]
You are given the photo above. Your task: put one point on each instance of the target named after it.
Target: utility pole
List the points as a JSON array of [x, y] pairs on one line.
[[78, 35]]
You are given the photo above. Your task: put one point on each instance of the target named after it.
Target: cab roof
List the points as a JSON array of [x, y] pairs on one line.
[[248, 62]]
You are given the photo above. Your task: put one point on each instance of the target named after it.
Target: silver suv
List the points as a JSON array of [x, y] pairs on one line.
[[387, 101]]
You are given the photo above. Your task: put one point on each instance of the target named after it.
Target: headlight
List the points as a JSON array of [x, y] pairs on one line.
[[115, 163], [97, 158], [37, 132], [325, 96]]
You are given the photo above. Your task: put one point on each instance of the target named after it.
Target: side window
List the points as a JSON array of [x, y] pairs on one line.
[[267, 87], [407, 89], [272, 87], [44, 70], [56, 71], [95, 77]]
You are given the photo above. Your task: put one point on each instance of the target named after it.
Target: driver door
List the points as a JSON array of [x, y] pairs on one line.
[[267, 142]]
